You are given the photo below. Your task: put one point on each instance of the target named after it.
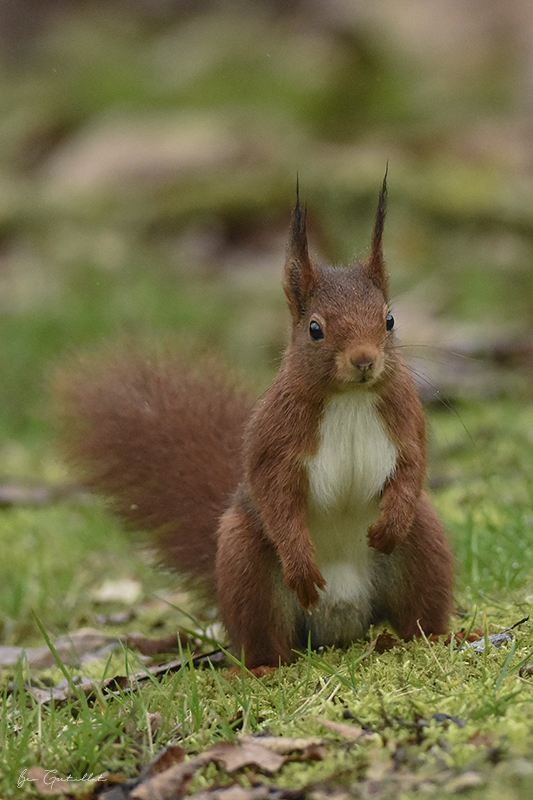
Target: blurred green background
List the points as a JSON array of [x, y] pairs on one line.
[[148, 159]]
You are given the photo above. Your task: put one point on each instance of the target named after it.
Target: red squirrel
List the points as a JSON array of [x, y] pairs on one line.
[[304, 516]]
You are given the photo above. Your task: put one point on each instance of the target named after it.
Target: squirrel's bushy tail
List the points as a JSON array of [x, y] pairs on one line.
[[162, 440]]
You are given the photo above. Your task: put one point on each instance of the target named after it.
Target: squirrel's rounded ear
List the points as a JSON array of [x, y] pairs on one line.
[[299, 275], [375, 264]]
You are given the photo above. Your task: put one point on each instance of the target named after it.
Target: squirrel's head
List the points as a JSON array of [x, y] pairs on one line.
[[341, 322]]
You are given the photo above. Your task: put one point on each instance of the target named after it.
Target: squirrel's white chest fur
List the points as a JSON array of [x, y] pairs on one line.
[[355, 455], [346, 475]]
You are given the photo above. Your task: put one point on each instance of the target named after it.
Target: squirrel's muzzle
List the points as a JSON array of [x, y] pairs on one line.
[[361, 364]]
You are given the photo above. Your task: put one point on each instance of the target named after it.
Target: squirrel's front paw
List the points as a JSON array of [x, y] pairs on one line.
[[305, 584], [381, 537]]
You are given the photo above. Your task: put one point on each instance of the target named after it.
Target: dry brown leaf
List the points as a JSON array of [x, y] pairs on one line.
[[154, 647], [75, 648], [168, 776], [62, 692], [167, 758], [120, 683], [342, 729], [236, 792], [170, 784], [465, 782], [237, 756], [49, 783], [282, 744], [459, 637], [384, 642]]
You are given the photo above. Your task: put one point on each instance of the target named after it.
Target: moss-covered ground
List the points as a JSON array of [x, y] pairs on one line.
[[148, 161]]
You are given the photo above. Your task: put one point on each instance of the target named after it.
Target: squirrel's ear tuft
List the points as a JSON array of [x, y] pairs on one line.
[[375, 265], [299, 275]]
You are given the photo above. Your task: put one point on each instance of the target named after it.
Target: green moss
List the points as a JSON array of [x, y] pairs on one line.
[[197, 252]]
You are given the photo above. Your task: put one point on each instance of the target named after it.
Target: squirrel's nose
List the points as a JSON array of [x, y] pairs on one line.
[[363, 366]]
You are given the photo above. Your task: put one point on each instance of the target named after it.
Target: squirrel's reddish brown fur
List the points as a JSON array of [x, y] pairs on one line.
[[160, 438], [307, 517]]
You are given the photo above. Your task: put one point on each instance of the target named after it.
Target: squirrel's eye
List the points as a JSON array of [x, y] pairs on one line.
[[315, 331], [390, 321]]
